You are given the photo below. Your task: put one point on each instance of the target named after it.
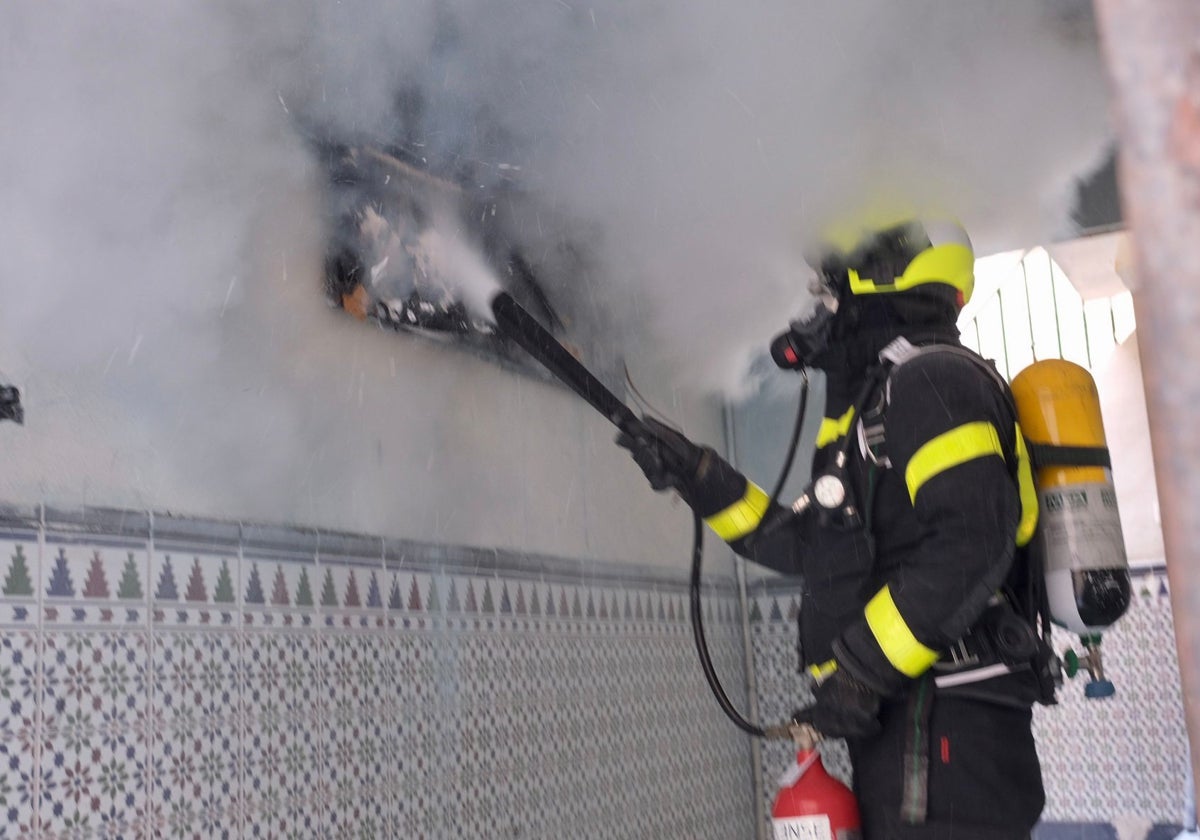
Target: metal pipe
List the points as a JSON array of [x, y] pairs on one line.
[[1152, 49], [1003, 333], [749, 664], [1028, 307], [1054, 299]]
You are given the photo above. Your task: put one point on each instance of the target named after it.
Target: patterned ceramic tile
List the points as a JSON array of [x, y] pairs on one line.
[[20, 735], [273, 695], [1126, 754], [196, 748], [92, 785], [95, 680]]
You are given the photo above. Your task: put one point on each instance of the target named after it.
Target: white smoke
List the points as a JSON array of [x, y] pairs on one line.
[[160, 233], [707, 146]]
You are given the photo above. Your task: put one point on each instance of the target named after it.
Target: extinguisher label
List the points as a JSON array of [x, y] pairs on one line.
[[815, 827], [1081, 527]]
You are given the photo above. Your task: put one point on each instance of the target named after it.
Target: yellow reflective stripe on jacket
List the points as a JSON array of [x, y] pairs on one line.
[[899, 645], [1029, 497], [833, 428], [741, 517], [957, 446]]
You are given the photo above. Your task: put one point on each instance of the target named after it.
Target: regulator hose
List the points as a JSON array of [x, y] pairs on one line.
[[706, 664]]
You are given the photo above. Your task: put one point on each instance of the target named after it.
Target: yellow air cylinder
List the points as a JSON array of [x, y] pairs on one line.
[[1087, 572]]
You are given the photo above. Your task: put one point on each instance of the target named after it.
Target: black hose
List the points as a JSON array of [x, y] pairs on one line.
[[801, 410], [710, 673]]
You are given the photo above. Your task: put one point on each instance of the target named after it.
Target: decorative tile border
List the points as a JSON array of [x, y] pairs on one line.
[[20, 560]]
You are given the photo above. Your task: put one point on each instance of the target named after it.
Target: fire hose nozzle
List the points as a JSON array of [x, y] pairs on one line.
[[803, 735]]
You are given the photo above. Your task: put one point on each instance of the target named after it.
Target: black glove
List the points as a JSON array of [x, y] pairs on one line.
[[844, 708], [669, 460]]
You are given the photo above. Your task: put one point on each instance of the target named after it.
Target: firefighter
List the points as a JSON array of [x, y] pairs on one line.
[[916, 621]]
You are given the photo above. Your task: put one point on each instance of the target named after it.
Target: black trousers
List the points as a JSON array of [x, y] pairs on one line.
[[983, 778]]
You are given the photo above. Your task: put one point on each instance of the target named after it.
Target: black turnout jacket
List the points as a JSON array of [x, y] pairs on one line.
[[940, 523]]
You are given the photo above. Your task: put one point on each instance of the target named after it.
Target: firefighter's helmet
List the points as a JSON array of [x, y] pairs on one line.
[[913, 256]]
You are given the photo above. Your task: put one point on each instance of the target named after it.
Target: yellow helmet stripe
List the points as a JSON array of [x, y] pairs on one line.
[[1029, 497], [957, 446], [834, 428], [895, 639], [952, 264], [741, 517]]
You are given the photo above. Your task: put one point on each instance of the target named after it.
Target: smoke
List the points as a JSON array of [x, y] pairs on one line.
[[162, 219], [701, 151]]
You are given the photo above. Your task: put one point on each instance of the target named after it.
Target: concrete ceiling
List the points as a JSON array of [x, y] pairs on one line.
[[1090, 263]]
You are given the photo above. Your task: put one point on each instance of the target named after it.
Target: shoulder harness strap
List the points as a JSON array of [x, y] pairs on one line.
[[1036, 610], [872, 438]]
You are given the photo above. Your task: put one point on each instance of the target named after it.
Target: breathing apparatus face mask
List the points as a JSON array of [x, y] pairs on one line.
[[811, 333]]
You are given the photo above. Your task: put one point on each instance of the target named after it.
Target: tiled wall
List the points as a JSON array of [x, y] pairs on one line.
[[1100, 758], [172, 677], [178, 678], [1126, 754]]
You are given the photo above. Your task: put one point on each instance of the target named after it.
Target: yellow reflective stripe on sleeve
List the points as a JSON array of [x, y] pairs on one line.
[[957, 446], [899, 645], [833, 428], [1029, 497], [741, 517]]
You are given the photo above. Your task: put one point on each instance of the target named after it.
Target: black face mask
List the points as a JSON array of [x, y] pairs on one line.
[[843, 332], [811, 334]]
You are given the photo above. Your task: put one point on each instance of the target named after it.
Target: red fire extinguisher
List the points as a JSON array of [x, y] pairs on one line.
[[811, 804]]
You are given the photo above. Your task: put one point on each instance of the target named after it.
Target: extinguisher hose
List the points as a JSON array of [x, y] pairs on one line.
[[710, 672], [801, 410]]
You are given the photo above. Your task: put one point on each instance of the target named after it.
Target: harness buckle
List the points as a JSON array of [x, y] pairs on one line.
[[871, 442], [960, 655]]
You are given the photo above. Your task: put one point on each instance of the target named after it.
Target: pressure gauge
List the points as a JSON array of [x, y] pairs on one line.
[[829, 491]]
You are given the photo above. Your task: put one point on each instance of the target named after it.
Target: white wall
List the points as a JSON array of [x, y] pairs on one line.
[[1123, 405]]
